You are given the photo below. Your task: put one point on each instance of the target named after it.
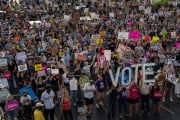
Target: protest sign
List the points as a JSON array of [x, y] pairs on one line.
[[6, 74], [54, 71], [111, 15], [173, 34], [80, 56], [107, 54], [67, 17], [29, 90], [73, 84], [21, 56], [99, 41], [155, 39], [141, 7], [4, 82], [94, 38], [126, 55], [22, 67], [134, 35], [122, 48], [38, 67], [136, 66], [101, 60], [177, 44], [147, 11], [123, 35], [41, 73], [3, 62]]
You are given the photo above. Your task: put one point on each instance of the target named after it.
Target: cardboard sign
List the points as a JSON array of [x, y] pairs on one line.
[[3, 62], [22, 67], [147, 11], [126, 55], [54, 71], [123, 35], [21, 56], [30, 92], [134, 35], [80, 56], [107, 54], [41, 73], [38, 67], [4, 82], [141, 7], [177, 44], [101, 60]]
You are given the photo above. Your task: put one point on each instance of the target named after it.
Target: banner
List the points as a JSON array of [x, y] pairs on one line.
[[123, 35], [177, 44], [107, 54], [134, 35], [4, 82], [3, 62], [29, 90], [21, 56], [101, 60], [38, 67], [22, 67]]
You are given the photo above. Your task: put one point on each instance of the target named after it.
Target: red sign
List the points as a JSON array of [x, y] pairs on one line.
[[101, 60]]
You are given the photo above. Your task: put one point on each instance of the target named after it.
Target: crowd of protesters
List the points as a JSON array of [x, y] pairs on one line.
[[56, 56]]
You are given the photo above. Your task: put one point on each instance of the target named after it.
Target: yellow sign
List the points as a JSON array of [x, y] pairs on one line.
[[38, 67], [99, 41], [155, 39], [102, 33]]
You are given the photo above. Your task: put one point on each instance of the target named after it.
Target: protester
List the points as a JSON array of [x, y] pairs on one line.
[[47, 98], [38, 114]]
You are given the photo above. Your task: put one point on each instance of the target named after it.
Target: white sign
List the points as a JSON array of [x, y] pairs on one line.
[[41, 73], [4, 82], [123, 35], [22, 67], [141, 7], [111, 15], [136, 66], [73, 84], [107, 54], [67, 17], [101, 60], [3, 62], [55, 71], [147, 10], [21, 56]]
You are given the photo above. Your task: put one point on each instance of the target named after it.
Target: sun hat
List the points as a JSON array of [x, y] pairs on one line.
[[39, 104]]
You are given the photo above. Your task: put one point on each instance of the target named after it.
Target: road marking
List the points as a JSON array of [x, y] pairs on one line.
[[167, 109]]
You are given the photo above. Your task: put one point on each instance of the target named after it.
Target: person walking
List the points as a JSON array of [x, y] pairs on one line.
[[47, 98], [38, 114]]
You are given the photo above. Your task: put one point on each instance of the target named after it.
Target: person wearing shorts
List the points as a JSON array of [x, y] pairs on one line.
[[89, 89]]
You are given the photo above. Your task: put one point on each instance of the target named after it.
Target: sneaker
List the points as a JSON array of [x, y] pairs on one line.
[[171, 99], [159, 114], [97, 106], [163, 99]]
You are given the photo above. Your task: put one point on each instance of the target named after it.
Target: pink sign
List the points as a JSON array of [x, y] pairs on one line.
[[177, 44], [12, 105], [134, 35], [101, 60], [6, 74], [44, 67]]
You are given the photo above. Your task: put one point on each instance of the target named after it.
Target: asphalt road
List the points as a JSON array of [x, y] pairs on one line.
[[169, 110]]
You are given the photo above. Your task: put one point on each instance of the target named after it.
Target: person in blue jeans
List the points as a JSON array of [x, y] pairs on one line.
[[122, 100]]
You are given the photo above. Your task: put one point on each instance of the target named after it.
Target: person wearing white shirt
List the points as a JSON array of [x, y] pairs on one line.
[[26, 103], [47, 98], [73, 90], [89, 89]]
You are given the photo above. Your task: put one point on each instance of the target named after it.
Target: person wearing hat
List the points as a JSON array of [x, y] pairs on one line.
[[38, 114]]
